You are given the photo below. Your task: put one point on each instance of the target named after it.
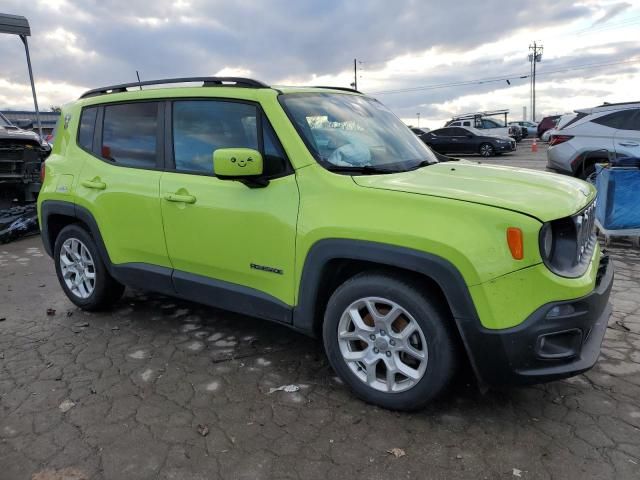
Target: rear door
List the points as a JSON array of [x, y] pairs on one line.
[[460, 140], [440, 140], [600, 132], [627, 138], [120, 180]]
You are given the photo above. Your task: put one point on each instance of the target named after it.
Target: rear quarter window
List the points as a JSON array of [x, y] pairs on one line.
[[87, 127]]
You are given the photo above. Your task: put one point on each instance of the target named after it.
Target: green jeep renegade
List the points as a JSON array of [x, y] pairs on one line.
[[317, 208]]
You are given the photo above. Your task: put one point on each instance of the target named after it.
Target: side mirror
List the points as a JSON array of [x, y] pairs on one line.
[[244, 164], [24, 124]]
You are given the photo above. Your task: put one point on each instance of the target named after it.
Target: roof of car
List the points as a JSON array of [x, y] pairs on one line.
[[605, 107], [187, 82]]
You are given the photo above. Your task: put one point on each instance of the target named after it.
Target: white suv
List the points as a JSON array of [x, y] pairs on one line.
[[487, 125], [594, 135]]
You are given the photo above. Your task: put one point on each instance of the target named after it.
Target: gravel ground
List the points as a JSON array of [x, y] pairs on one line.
[[164, 389]]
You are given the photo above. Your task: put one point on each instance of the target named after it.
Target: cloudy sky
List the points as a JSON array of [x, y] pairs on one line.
[[433, 57]]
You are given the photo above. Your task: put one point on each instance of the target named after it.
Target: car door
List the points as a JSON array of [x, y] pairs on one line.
[[119, 183], [227, 236], [627, 137], [440, 140], [461, 140]]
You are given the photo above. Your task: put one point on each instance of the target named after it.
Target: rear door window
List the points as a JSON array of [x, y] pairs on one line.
[[445, 132], [633, 122], [616, 119], [130, 134]]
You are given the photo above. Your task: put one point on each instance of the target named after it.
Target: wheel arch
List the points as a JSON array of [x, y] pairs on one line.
[[330, 262], [56, 214]]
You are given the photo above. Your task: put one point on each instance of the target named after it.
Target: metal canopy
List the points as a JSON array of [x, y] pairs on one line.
[[14, 24], [18, 25]]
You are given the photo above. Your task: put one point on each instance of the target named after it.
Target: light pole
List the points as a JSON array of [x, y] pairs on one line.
[[17, 25], [418, 114]]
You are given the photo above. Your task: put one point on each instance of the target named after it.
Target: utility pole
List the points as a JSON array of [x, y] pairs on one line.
[[355, 74], [535, 56]]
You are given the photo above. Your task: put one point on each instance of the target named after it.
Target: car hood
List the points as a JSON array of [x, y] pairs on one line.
[[545, 196], [13, 133]]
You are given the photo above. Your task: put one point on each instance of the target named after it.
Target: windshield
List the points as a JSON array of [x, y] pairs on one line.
[[4, 122], [353, 132]]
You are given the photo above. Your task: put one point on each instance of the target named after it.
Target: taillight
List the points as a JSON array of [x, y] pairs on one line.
[[558, 139], [42, 172]]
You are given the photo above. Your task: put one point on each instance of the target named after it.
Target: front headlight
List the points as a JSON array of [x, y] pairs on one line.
[[546, 241], [567, 244]]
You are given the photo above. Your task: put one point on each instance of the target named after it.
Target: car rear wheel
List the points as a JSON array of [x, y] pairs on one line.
[[487, 150], [389, 341], [81, 271]]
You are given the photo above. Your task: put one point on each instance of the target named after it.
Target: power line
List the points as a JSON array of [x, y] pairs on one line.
[[505, 78], [597, 27]]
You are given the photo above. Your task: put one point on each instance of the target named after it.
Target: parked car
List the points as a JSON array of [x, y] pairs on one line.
[[220, 193], [560, 123], [516, 132], [592, 136], [419, 131], [21, 155], [530, 126], [487, 125], [547, 123], [467, 140], [523, 128]]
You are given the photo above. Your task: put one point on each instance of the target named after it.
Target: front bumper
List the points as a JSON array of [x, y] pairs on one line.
[[545, 347], [505, 147]]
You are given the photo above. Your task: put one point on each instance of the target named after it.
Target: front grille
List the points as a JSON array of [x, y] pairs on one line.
[[585, 223]]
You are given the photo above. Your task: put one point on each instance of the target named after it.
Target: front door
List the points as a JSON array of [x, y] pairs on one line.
[[226, 235]]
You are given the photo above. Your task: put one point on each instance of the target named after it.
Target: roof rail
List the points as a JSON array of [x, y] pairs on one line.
[[206, 82], [480, 114], [607, 104], [344, 89]]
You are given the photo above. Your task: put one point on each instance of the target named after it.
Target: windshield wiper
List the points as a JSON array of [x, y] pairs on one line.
[[365, 169], [423, 163]]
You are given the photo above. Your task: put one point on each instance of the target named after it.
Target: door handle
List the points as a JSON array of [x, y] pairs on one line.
[[96, 184], [175, 197], [629, 144]]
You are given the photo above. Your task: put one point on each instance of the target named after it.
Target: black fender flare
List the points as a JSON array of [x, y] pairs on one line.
[[69, 209], [438, 269]]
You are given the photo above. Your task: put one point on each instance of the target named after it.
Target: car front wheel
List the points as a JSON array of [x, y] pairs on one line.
[[389, 341], [487, 150]]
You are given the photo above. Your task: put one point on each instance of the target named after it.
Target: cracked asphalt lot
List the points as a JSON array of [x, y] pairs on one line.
[[160, 388]]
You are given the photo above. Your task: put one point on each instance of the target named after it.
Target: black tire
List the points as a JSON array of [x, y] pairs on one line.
[[586, 170], [427, 312], [486, 150], [106, 289]]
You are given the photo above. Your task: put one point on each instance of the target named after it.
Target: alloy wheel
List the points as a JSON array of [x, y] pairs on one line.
[[382, 344], [486, 150], [78, 268]]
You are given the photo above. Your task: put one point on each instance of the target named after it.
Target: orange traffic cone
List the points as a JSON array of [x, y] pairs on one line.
[[534, 145]]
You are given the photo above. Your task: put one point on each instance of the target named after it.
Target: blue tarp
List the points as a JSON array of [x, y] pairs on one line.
[[618, 187]]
